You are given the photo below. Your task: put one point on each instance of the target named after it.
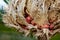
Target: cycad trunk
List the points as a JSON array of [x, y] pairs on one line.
[[21, 13]]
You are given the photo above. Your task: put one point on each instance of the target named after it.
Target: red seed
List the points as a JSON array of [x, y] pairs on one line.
[[46, 26], [28, 19], [51, 26]]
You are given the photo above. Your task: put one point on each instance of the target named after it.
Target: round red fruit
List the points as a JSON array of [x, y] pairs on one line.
[[28, 19], [51, 26], [46, 26]]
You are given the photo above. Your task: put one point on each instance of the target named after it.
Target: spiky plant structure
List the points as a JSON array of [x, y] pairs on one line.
[[39, 17]]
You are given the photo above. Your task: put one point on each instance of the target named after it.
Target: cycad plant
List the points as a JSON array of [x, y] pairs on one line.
[[37, 17]]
